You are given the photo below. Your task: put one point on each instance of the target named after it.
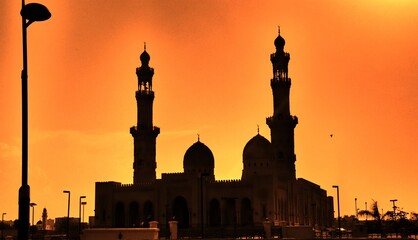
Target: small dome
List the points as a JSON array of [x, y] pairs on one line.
[[198, 156], [279, 42], [144, 57], [257, 148]]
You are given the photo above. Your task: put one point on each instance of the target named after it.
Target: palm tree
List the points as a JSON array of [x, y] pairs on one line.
[[375, 214]]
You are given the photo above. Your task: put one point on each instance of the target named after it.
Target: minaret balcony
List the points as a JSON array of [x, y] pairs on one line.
[[279, 54], [145, 92], [143, 130], [277, 81], [281, 119], [281, 78]]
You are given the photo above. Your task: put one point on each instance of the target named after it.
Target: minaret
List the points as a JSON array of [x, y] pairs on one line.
[[144, 133], [282, 124], [44, 218]]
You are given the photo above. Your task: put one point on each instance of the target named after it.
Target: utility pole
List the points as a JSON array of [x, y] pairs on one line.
[[394, 208]]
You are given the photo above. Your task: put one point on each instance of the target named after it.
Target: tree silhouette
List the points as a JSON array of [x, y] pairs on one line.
[[377, 217]]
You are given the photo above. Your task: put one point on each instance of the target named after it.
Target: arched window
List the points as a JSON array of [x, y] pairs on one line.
[[181, 212], [214, 213], [120, 215], [230, 213], [134, 214], [246, 212], [148, 213]]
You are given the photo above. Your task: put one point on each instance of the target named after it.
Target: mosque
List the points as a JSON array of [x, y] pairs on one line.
[[268, 188]]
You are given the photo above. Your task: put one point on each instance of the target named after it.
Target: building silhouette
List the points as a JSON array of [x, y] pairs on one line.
[[268, 187]]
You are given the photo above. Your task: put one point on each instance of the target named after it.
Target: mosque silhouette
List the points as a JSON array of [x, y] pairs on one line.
[[268, 188]]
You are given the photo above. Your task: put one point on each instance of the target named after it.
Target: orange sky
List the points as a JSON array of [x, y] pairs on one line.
[[354, 75]]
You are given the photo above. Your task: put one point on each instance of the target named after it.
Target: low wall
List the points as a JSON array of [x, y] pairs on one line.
[[298, 232], [120, 233]]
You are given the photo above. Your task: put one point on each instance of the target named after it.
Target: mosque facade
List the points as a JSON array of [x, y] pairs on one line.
[[268, 188]]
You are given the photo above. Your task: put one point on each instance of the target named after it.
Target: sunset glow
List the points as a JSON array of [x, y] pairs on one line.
[[354, 75]]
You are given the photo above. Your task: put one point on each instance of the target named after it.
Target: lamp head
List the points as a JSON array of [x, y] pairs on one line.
[[35, 12]]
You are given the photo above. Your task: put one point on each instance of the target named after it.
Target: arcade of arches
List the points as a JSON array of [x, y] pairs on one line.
[[180, 212]]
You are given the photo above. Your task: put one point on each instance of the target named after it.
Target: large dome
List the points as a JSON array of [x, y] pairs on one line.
[[257, 148], [257, 157], [198, 158]]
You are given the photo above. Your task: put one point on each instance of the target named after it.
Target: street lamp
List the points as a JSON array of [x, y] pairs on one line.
[[33, 211], [201, 203], [2, 225], [79, 216], [68, 213], [355, 205], [30, 13], [366, 210], [83, 204], [338, 202]]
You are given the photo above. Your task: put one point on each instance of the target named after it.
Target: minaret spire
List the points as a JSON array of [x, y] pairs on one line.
[[144, 133], [282, 123]]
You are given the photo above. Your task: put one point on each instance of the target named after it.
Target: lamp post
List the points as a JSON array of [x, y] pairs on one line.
[[79, 216], [32, 12], [32, 205], [2, 225], [338, 202], [33, 212], [83, 204], [201, 204], [68, 213], [355, 206], [366, 209]]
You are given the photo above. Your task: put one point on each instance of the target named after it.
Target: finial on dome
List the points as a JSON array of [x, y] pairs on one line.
[[198, 137], [279, 42], [145, 57], [258, 129]]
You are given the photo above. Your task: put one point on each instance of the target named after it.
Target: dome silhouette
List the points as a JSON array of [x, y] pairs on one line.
[[279, 42], [257, 148], [198, 156], [145, 57]]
